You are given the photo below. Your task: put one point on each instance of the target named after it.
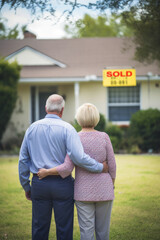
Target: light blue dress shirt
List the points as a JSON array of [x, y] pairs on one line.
[[45, 145]]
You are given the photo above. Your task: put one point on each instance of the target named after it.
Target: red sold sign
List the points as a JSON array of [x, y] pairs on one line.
[[119, 77]]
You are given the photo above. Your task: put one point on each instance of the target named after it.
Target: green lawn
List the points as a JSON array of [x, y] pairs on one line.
[[136, 210]]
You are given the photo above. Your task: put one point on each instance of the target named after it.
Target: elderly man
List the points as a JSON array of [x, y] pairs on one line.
[[45, 145]]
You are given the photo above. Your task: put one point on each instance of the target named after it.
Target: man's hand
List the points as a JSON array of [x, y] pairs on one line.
[[105, 167], [28, 195]]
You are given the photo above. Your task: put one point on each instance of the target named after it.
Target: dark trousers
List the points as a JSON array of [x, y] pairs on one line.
[[52, 192]]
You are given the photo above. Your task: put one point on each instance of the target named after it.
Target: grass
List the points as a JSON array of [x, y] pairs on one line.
[[136, 210]]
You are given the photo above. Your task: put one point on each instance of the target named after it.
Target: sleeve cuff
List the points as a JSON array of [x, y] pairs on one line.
[[27, 188], [62, 173], [100, 169]]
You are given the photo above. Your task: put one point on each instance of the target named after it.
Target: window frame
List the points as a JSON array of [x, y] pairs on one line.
[[123, 104]]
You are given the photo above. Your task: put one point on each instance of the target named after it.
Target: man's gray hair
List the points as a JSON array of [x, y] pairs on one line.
[[55, 103]]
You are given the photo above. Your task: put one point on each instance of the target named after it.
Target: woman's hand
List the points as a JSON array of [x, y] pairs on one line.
[[42, 173]]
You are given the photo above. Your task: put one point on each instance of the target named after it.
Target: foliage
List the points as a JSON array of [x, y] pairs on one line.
[[8, 33], [101, 124], [99, 27], [9, 76], [13, 144], [49, 6], [114, 130], [115, 133], [145, 129], [134, 149], [142, 135], [76, 126], [144, 19]]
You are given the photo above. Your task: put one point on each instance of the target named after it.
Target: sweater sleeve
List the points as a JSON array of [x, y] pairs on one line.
[[66, 168], [110, 157], [78, 156]]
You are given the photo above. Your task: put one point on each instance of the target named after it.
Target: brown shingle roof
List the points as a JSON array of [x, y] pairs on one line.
[[85, 56]]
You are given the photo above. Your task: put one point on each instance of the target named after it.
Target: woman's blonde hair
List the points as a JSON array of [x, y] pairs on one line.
[[87, 115]]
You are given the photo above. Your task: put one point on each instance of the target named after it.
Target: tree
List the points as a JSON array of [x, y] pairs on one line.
[[50, 6], [9, 76], [99, 27], [145, 23], [8, 33]]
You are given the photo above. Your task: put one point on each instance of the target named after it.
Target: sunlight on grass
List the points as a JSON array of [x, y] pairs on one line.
[[136, 210]]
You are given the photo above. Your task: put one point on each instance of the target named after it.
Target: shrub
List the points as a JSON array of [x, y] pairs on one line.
[[76, 126], [13, 144], [115, 143], [145, 129], [114, 130], [115, 133], [101, 124], [134, 149], [9, 75]]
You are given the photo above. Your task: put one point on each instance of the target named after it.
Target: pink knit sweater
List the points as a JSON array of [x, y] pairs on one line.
[[90, 186]]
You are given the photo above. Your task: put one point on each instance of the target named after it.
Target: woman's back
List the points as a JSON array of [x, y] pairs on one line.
[[95, 186]]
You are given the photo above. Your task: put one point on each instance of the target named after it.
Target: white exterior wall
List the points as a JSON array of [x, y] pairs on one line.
[[92, 92], [150, 94], [95, 93], [31, 57]]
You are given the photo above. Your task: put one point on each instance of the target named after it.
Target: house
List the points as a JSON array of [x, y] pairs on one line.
[[73, 68]]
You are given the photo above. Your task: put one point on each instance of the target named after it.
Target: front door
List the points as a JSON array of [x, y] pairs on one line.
[[42, 102], [39, 96], [43, 95]]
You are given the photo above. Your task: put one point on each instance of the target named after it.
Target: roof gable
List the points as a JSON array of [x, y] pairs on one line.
[[28, 56]]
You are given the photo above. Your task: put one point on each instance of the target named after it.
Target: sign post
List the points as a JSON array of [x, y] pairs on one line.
[[119, 77]]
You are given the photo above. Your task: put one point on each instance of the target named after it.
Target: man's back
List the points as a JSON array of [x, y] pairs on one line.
[[46, 141]]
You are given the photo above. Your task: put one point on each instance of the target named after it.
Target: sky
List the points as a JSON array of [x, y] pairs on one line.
[[41, 28], [44, 29]]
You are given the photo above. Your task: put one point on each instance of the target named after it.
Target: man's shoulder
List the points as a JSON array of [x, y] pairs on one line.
[[41, 121], [52, 122], [67, 125]]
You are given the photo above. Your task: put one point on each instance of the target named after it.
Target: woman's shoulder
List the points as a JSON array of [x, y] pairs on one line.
[[104, 135], [94, 133]]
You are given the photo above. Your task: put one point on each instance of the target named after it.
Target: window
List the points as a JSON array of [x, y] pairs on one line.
[[123, 102]]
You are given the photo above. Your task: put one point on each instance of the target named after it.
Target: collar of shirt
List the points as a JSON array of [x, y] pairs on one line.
[[52, 116]]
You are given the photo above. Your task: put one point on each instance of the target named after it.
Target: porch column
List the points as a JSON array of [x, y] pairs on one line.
[[76, 95], [37, 103]]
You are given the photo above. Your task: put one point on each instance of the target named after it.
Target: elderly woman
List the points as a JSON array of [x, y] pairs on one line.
[[93, 192]]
